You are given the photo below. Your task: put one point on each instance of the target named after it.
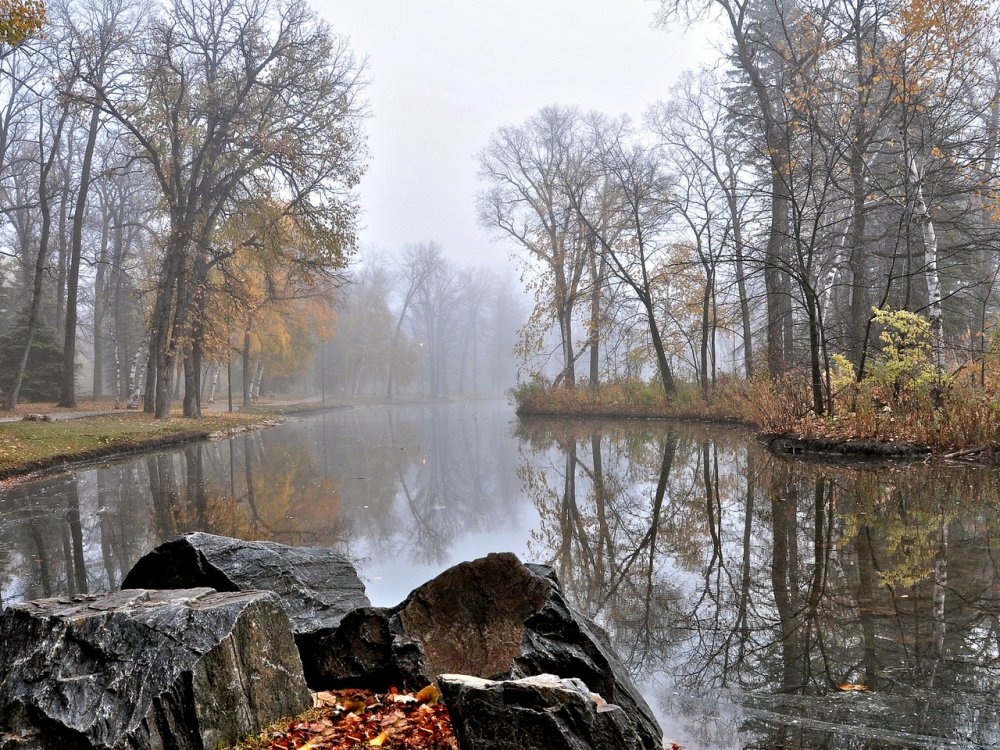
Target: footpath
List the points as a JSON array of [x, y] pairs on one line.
[[65, 416]]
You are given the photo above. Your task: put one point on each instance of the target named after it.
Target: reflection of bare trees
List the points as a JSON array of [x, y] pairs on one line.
[[398, 484], [713, 565], [604, 540], [783, 581]]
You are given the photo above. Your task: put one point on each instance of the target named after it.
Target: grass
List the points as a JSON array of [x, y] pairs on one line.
[[52, 408], [29, 446], [965, 418]]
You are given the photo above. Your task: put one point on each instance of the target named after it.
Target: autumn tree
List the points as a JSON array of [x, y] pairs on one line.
[[230, 104], [525, 170], [627, 212], [19, 19]]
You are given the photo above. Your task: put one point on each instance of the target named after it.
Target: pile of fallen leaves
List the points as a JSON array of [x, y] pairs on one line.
[[358, 719]]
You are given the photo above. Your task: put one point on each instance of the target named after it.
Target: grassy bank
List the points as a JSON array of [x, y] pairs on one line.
[[962, 421], [27, 447]]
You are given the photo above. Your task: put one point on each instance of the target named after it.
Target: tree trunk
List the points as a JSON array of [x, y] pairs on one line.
[[773, 272], [101, 307], [741, 279], [934, 311], [667, 377], [597, 274], [68, 396], [118, 371], [246, 362], [213, 382], [135, 373], [706, 303], [815, 355], [258, 376], [43, 251], [860, 309]]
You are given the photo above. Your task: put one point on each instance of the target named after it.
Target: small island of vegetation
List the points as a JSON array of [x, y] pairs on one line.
[[903, 405]]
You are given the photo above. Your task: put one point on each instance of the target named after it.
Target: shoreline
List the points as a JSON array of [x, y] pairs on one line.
[[793, 445], [127, 447]]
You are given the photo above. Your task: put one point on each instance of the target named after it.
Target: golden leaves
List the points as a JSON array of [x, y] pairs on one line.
[[350, 719], [19, 19]]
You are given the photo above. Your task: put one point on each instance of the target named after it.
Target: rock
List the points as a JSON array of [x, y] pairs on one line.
[[359, 653], [493, 618], [37, 418], [543, 712], [317, 585], [190, 669]]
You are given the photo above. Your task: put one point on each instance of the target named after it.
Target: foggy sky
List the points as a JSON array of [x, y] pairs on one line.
[[446, 73]]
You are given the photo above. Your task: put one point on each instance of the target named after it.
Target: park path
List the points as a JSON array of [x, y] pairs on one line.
[[63, 416]]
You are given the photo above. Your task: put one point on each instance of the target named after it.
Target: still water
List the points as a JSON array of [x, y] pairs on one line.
[[745, 592]]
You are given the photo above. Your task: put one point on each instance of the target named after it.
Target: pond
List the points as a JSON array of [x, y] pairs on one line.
[[760, 603]]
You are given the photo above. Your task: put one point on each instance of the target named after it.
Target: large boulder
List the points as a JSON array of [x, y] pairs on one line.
[[542, 712], [317, 585], [189, 669], [494, 618]]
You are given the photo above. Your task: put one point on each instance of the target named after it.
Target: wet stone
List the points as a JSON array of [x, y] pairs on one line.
[[146, 669], [543, 712], [493, 618], [317, 585]]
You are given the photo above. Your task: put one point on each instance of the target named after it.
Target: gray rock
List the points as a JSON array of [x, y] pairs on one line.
[[317, 585], [493, 618], [543, 712], [190, 669]]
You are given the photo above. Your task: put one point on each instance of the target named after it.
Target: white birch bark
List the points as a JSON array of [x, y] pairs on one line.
[[925, 218], [118, 369], [255, 386], [214, 382], [135, 373]]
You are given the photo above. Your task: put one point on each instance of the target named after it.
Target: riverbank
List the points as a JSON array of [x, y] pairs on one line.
[[29, 447], [964, 426]]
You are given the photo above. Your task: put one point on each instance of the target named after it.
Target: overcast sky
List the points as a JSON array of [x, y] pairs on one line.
[[446, 73]]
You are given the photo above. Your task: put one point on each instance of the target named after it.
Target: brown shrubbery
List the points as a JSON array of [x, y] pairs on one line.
[[965, 416]]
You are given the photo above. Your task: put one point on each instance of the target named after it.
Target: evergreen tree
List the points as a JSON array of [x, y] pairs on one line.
[[42, 377]]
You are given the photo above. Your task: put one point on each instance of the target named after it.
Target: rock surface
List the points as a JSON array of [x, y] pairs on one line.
[[542, 712], [493, 618], [189, 669], [317, 585]]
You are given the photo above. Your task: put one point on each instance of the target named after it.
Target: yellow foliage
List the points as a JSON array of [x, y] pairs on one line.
[[19, 19]]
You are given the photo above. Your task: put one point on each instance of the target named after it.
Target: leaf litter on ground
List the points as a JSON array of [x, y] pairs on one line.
[[357, 719]]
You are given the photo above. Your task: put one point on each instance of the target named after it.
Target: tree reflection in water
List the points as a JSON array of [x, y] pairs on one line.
[[405, 489], [751, 590], [742, 588]]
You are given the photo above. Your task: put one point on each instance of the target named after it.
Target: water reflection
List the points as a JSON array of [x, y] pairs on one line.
[[404, 492], [743, 590], [753, 590]]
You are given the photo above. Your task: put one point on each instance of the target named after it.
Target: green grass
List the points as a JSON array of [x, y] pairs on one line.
[[31, 445]]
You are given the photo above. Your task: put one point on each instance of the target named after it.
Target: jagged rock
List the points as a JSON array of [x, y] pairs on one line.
[[494, 618], [543, 712], [189, 669], [317, 585], [359, 653]]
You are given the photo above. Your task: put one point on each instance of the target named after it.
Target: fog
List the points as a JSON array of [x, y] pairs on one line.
[[446, 73]]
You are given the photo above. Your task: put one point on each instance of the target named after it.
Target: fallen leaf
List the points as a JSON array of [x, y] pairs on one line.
[[429, 695], [324, 699], [851, 687]]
